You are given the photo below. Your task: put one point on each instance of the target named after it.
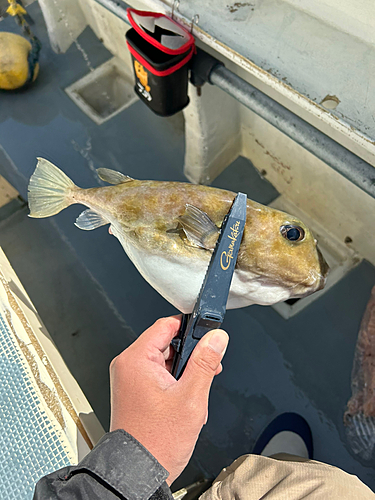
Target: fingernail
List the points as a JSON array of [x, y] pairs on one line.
[[219, 341]]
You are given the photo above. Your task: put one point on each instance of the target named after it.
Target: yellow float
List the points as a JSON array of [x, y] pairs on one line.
[[14, 61], [18, 57]]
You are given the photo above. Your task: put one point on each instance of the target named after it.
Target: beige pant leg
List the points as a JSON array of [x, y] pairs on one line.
[[253, 477]]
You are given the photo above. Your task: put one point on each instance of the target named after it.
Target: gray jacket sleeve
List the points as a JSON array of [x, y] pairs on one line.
[[119, 467]]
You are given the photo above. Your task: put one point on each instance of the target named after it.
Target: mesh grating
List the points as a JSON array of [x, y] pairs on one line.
[[30, 446]]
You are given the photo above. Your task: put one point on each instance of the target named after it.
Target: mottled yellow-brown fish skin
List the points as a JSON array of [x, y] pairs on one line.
[[147, 210]]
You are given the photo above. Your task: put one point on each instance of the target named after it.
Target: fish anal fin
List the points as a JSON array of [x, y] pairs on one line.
[[199, 228], [89, 219], [112, 176]]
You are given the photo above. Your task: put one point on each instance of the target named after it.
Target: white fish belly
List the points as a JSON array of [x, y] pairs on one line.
[[179, 280]]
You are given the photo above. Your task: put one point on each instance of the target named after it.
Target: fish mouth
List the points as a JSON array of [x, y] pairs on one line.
[[317, 280], [324, 269]]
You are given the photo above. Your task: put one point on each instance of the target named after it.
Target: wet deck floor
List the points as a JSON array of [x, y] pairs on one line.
[[94, 302]]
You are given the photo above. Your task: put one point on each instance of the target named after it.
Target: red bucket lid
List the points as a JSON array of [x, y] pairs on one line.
[[174, 39]]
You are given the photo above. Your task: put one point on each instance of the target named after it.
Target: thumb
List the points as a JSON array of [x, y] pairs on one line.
[[205, 361]]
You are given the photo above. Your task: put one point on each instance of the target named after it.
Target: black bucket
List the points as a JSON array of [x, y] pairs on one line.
[[161, 72]]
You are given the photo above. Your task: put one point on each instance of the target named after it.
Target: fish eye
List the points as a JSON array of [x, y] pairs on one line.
[[292, 233]]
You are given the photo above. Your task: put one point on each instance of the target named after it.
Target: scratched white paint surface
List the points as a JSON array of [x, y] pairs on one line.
[[356, 18]]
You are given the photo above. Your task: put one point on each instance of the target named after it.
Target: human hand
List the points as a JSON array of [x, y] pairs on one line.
[[164, 414]]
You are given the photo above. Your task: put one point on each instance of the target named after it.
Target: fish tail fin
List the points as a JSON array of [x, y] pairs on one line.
[[49, 190]]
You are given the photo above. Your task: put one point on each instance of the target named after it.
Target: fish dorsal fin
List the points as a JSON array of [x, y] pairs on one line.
[[89, 220], [112, 176], [199, 228]]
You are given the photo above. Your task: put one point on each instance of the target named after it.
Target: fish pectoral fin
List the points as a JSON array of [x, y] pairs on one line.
[[199, 228], [112, 176], [89, 219]]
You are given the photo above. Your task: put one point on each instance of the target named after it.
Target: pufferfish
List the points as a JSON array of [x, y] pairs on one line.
[[169, 231]]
